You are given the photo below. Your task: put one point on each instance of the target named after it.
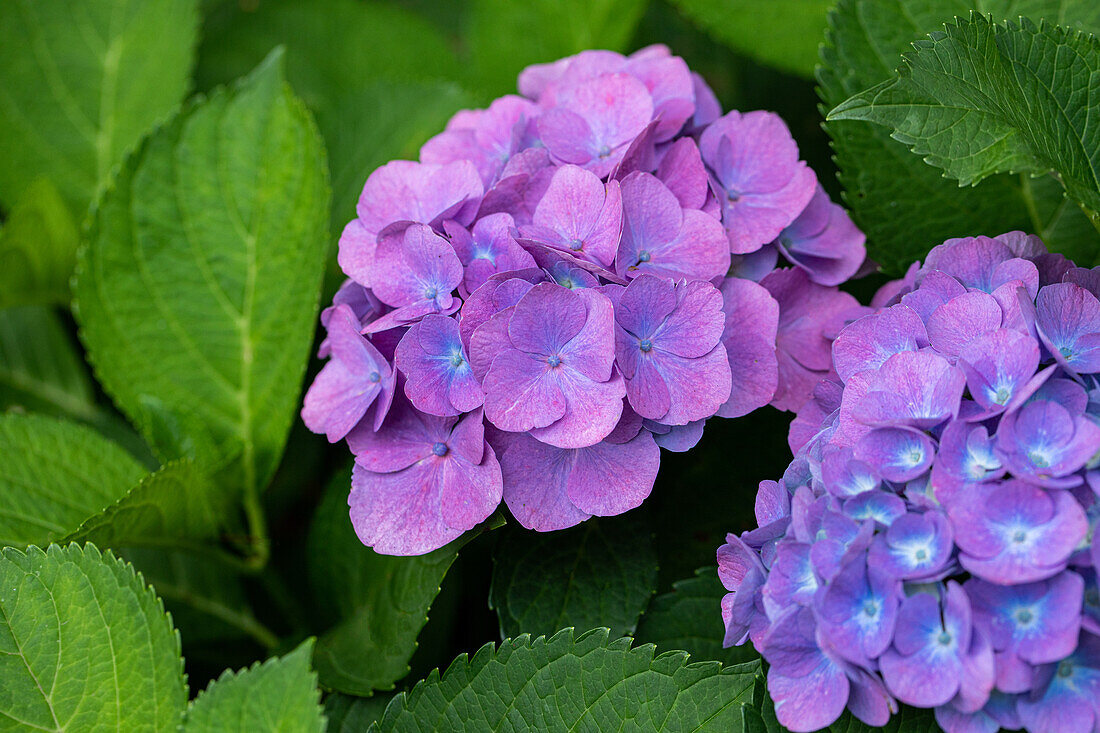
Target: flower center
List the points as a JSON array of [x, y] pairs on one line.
[[604, 151], [870, 608], [431, 292], [944, 638], [374, 377], [457, 360], [643, 256], [440, 449], [554, 361], [921, 555], [1024, 616], [576, 245], [1066, 352], [645, 345], [1002, 396], [1039, 458], [1020, 537], [733, 195], [1065, 668]]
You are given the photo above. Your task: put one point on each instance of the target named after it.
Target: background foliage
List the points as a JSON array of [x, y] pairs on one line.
[[173, 174]]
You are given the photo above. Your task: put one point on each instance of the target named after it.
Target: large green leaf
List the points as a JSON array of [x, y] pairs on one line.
[[277, 696], [780, 33], [561, 684], [176, 507], [377, 604], [54, 475], [40, 367], [37, 248], [601, 573], [502, 36], [983, 98], [690, 618], [84, 80], [905, 206], [85, 645], [198, 291]]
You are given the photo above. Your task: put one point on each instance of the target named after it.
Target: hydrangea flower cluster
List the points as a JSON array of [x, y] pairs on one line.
[[564, 283], [933, 542]]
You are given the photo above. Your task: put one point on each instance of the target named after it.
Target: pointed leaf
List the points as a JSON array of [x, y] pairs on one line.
[[83, 82], [985, 98], [279, 695], [198, 291], [601, 573], [904, 205], [559, 683], [178, 506], [54, 475], [85, 645]]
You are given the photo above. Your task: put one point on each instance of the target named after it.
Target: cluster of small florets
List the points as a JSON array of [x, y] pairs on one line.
[[545, 299], [933, 541]]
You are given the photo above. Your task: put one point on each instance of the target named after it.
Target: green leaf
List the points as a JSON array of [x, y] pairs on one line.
[[198, 292], [690, 618], [178, 507], [83, 82], [348, 714], [601, 573], [279, 695], [206, 599], [333, 47], [55, 474], [561, 684], [84, 645], [40, 367], [984, 98], [905, 206], [502, 36], [377, 603], [780, 33], [37, 248]]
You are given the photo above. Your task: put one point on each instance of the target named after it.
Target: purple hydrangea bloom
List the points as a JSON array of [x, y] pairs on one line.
[[1068, 319], [823, 241], [551, 488], [661, 238], [1044, 443], [356, 377], [756, 176], [579, 215], [952, 454], [1016, 532], [438, 376], [932, 655], [555, 376], [1068, 693], [559, 269], [488, 249], [405, 191], [667, 344], [421, 481], [1028, 624]]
